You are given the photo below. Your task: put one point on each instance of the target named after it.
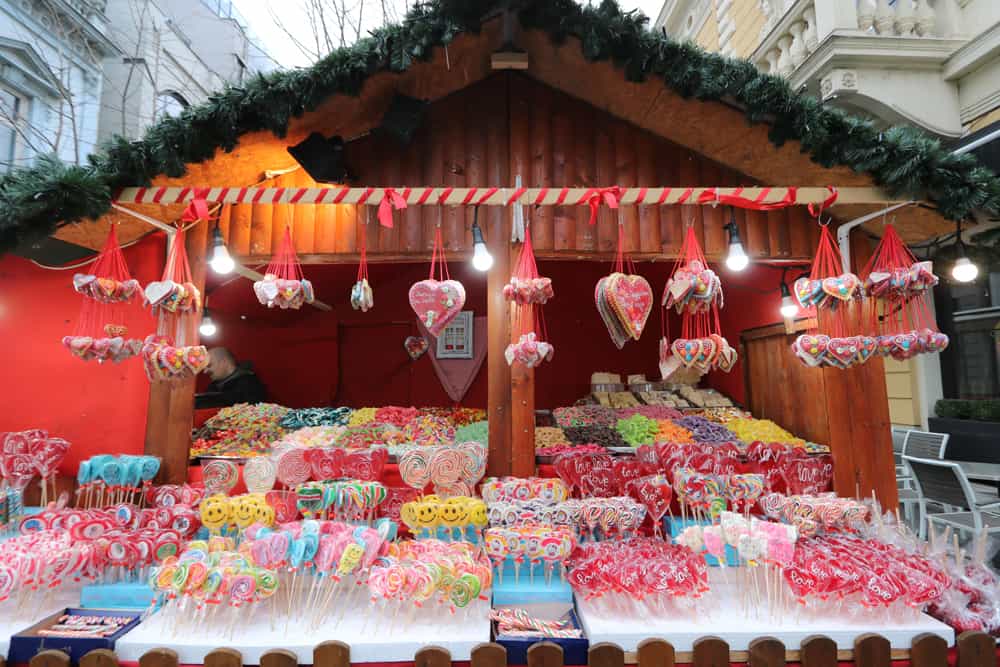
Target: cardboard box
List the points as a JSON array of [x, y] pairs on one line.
[[26, 644], [574, 649]]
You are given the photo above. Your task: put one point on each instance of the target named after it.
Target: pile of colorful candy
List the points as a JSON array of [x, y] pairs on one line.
[[429, 431], [652, 411], [302, 417], [703, 430], [362, 416], [425, 516], [556, 450], [644, 571], [667, 430], [545, 489], [319, 436], [533, 544], [207, 576], [106, 479], [457, 415], [454, 470], [719, 415], [637, 430], [549, 436], [368, 435], [764, 430], [605, 436], [397, 416], [584, 415], [473, 432], [251, 427]]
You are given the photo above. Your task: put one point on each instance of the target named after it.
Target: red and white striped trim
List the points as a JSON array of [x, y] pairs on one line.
[[481, 196]]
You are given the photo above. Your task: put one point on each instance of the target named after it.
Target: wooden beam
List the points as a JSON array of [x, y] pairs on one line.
[[170, 414], [498, 397], [457, 196]]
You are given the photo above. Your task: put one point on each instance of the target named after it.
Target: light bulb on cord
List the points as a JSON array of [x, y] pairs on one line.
[[789, 308], [207, 327], [221, 262], [737, 259], [964, 271], [482, 260]]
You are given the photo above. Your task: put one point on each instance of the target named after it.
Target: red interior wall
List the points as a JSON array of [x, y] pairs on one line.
[[310, 357], [98, 408]]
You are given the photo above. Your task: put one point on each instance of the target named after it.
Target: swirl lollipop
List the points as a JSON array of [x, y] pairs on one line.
[[220, 476], [293, 469], [414, 468], [259, 474]]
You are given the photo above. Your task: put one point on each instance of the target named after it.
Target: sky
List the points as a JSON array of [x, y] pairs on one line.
[[278, 26]]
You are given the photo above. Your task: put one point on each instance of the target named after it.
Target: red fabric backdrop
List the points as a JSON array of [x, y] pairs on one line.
[[311, 357]]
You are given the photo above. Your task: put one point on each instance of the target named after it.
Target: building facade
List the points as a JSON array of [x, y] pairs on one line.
[[51, 62], [934, 64]]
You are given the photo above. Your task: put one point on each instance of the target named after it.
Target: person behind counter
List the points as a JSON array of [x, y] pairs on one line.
[[231, 383]]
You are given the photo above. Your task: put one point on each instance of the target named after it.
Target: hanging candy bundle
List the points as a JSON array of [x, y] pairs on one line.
[[362, 297], [898, 288], [173, 351], [529, 292], [695, 292], [283, 284], [437, 301], [101, 332], [836, 295], [624, 300]]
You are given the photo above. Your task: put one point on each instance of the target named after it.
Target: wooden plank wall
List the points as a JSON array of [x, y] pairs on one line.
[[487, 134], [973, 649]]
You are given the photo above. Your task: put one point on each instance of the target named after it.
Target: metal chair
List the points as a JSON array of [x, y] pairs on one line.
[[903, 477], [945, 483], [925, 445]]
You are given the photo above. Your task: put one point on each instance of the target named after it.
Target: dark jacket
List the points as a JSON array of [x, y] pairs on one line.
[[240, 386]]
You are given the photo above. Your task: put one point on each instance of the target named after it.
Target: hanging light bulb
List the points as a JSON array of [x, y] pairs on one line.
[[789, 308], [221, 262], [207, 327], [482, 260], [737, 259], [964, 271]]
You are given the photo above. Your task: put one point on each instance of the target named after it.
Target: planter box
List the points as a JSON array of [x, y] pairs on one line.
[[970, 440]]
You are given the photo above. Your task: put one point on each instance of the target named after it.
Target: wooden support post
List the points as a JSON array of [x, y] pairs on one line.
[[170, 414], [498, 334]]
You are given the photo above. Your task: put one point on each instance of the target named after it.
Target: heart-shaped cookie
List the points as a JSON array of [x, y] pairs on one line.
[[79, 345], [811, 348], [266, 291], [884, 345], [904, 346], [727, 358], [415, 346], [82, 281], [631, 298], [806, 291], [436, 303], [843, 287], [159, 290], [196, 358], [614, 326], [842, 351], [867, 346]]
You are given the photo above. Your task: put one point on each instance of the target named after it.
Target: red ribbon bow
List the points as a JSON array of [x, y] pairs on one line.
[[827, 203], [594, 197], [390, 200], [197, 209]]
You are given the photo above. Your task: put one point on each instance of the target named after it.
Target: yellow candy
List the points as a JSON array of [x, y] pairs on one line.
[[215, 513]]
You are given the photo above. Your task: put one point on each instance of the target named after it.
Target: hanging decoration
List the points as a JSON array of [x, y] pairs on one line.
[[437, 301], [898, 290], [528, 292], [173, 351], [624, 300], [100, 332], [694, 291], [415, 346], [836, 296], [362, 297], [284, 285]]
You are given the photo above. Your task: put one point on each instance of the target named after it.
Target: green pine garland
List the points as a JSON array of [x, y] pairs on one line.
[[906, 162]]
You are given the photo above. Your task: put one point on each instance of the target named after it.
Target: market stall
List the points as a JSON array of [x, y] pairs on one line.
[[572, 443]]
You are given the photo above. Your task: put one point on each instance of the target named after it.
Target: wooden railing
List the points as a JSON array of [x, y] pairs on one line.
[[974, 649]]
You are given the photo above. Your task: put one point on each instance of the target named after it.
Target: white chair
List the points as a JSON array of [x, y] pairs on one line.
[[945, 483]]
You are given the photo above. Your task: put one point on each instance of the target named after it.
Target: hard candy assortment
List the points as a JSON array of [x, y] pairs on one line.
[[693, 288], [303, 417], [519, 623], [172, 297], [114, 349], [431, 575], [284, 293], [105, 289], [624, 302], [703, 430], [164, 361], [637, 430], [584, 415]]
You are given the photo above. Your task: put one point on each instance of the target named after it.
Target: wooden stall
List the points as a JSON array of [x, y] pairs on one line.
[[562, 122]]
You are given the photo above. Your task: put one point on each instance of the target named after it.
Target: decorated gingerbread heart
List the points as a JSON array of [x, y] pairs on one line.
[[436, 303], [843, 351], [811, 348], [415, 346], [631, 298], [843, 287]]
